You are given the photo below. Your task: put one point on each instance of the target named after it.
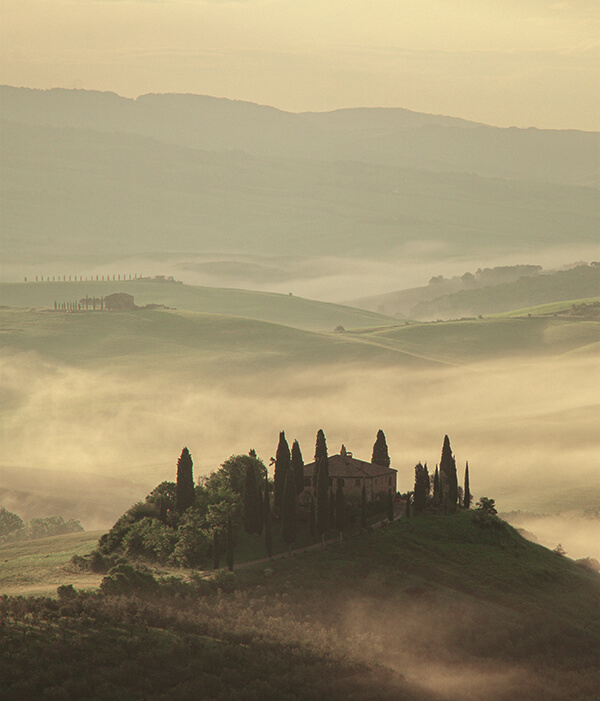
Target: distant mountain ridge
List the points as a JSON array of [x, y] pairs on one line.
[[384, 136]]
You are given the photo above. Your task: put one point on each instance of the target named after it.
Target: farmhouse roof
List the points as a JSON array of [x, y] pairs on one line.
[[349, 466]]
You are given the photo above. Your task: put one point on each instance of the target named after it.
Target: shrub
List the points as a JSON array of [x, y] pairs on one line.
[[225, 581], [66, 592], [125, 579]]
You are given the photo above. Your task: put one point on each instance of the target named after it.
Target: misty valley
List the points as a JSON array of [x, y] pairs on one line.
[[296, 406]]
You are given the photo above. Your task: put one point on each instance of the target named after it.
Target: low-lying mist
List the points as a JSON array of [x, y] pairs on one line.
[[527, 427]]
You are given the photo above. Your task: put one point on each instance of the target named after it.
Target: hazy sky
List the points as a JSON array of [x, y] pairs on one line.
[[505, 62]]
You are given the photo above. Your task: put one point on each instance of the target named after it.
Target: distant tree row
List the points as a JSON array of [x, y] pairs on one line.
[[12, 526], [91, 278]]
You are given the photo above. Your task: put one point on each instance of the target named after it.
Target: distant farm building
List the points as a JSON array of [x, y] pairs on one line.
[[119, 302], [377, 479]]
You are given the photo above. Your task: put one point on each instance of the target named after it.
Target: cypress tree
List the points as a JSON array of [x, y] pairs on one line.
[[389, 504], [467, 494], [448, 479], [250, 504], [320, 452], [185, 482], [298, 467], [312, 522], [229, 544], [421, 488], [282, 467], [288, 511], [216, 553], [380, 451], [436, 488], [363, 505], [323, 497], [267, 519], [340, 508]]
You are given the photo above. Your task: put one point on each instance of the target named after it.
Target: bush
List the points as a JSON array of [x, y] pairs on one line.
[[66, 592], [150, 539], [225, 581], [125, 579]]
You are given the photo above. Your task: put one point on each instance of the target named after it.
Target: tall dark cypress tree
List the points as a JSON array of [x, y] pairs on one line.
[[282, 467], [313, 519], [421, 488], [229, 544], [448, 478], [340, 508], [288, 511], [267, 519], [298, 467], [380, 451], [467, 493], [320, 452], [363, 505], [185, 482], [251, 515], [323, 497], [437, 491]]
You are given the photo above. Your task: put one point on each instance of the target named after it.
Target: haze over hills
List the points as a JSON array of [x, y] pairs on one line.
[[92, 174], [488, 291], [371, 135]]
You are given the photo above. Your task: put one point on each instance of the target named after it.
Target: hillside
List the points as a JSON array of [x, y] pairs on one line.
[[377, 136], [564, 285], [468, 340], [289, 310], [76, 193], [430, 608], [193, 339], [489, 291]]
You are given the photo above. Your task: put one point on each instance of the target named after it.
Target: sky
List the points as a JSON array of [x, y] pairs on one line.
[[503, 62]]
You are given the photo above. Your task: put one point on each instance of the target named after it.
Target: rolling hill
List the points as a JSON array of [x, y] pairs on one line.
[[492, 293], [276, 308], [426, 609], [95, 174]]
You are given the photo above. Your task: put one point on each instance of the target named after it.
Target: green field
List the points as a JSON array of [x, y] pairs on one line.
[[545, 309], [264, 306], [39, 566]]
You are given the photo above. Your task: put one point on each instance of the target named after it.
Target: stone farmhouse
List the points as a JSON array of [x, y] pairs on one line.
[[377, 478]]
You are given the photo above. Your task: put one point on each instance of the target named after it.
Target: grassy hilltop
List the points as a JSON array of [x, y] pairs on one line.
[[428, 608], [293, 311]]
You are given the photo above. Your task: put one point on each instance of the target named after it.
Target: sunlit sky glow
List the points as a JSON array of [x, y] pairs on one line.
[[504, 62]]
